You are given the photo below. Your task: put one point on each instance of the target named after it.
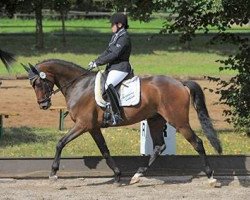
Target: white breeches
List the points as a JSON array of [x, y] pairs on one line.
[[115, 77]]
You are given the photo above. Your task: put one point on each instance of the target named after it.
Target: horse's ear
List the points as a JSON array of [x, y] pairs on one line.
[[26, 68], [33, 69]]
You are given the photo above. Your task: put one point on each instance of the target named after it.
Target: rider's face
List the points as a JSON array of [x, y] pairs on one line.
[[114, 27]]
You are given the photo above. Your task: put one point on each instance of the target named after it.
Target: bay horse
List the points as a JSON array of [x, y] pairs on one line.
[[163, 99]]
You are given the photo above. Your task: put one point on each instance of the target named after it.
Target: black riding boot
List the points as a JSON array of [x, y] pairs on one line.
[[114, 102]]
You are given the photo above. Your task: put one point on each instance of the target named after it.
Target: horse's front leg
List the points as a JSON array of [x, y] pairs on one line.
[[71, 135], [100, 141]]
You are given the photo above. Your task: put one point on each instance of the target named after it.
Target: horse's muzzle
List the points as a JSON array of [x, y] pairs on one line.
[[45, 105]]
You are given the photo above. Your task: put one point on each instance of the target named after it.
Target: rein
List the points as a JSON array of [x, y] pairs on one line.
[[53, 92], [68, 83]]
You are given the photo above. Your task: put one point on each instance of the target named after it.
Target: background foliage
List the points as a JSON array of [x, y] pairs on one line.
[[189, 16]]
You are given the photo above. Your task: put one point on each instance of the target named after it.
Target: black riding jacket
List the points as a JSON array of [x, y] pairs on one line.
[[116, 56]]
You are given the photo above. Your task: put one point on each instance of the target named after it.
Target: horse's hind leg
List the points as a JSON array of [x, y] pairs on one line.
[[197, 143], [100, 141], [156, 127]]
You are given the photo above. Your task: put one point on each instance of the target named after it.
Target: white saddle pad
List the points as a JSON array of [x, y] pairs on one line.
[[129, 92]]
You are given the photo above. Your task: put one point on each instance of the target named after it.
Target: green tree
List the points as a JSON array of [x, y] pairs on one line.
[[189, 16], [8, 7], [62, 6], [27, 6], [38, 6]]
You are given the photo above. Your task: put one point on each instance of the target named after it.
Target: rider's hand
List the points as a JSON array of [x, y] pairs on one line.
[[92, 65]]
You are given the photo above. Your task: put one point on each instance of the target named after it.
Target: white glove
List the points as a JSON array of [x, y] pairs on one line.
[[92, 65]]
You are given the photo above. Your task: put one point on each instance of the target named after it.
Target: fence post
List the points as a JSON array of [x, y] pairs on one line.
[[62, 115], [61, 119], [146, 144]]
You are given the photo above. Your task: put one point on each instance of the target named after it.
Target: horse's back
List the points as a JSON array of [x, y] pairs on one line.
[[166, 96], [161, 81], [162, 89]]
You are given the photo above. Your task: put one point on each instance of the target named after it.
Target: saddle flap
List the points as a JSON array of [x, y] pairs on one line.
[[129, 91]]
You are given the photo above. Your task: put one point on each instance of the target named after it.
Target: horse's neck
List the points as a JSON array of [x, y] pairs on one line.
[[76, 83], [66, 78], [78, 92]]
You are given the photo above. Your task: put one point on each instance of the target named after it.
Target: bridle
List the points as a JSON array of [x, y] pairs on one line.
[[35, 74], [45, 85]]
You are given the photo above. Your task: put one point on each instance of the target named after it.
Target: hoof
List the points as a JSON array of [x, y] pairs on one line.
[[212, 182], [53, 178], [135, 178]]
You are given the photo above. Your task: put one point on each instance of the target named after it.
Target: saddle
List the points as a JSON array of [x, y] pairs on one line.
[[128, 91]]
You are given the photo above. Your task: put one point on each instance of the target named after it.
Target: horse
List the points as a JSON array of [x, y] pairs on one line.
[[162, 99]]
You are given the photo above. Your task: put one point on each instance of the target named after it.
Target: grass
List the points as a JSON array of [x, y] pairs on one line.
[[160, 55], [33, 142], [102, 25], [28, 25], [186, 63], [86, 39]]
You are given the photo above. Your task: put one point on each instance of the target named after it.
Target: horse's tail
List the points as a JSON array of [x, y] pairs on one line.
[[7, 58], [198, 101]]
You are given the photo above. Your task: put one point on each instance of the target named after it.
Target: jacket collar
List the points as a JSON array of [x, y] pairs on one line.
[[117, 35], [120, 31]]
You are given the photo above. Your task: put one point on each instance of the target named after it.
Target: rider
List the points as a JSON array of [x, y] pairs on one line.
[[116, 56]]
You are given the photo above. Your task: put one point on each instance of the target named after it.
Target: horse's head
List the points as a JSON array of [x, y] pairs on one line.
[[42, 84]]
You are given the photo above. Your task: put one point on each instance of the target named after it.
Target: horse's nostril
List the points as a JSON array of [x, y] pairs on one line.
[[45, 105]]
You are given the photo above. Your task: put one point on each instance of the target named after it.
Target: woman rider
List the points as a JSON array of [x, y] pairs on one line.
[[116, 56]]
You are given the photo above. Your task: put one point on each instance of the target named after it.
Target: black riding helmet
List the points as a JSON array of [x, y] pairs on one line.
[[119, 18]]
